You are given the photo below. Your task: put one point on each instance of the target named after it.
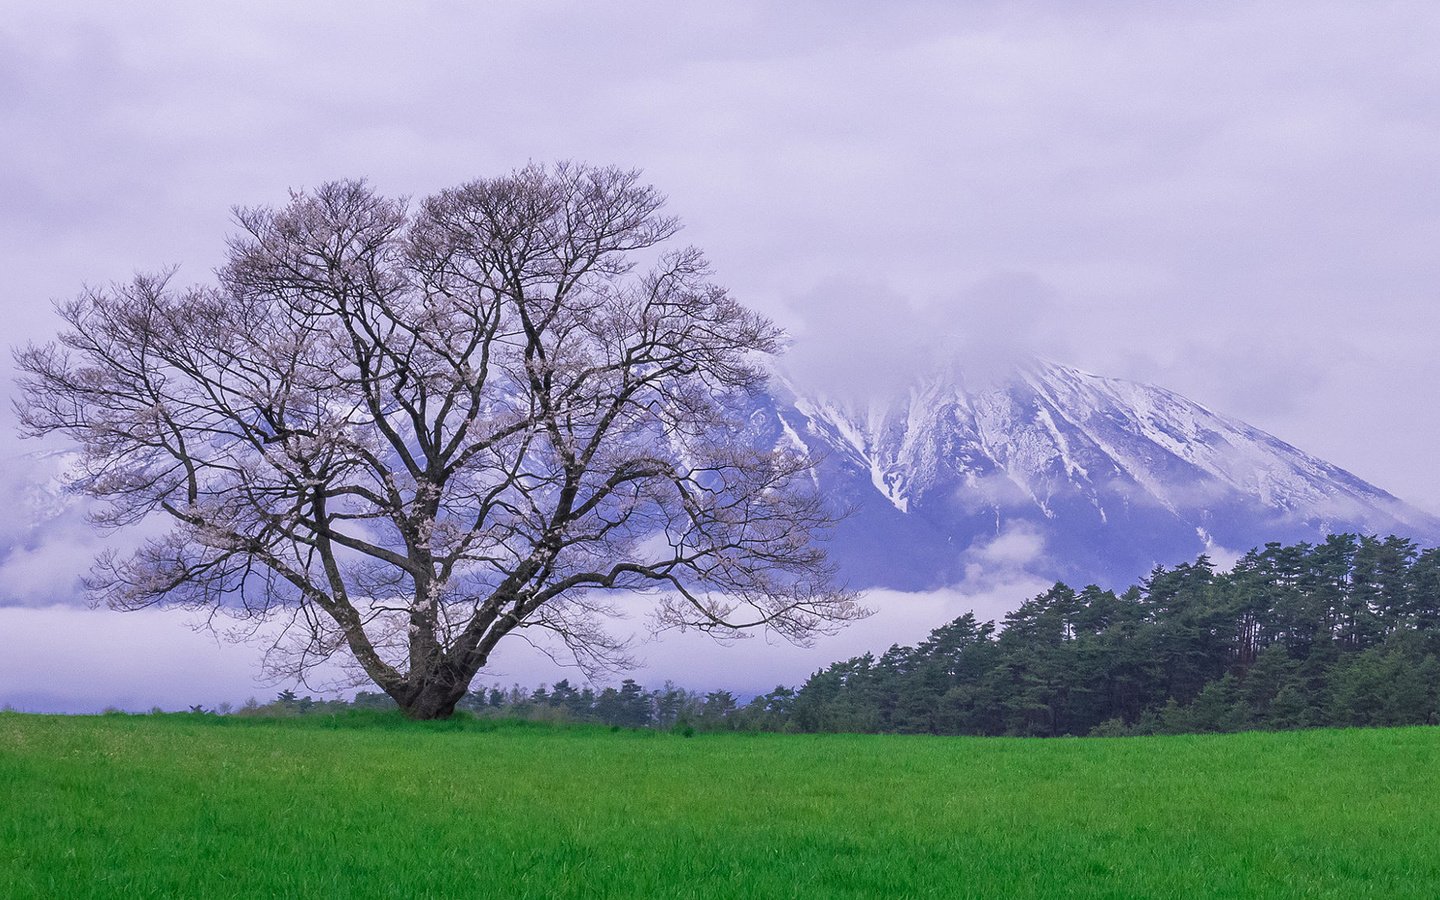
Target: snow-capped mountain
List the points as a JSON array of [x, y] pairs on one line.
[[1049, 472], [1062, 474]]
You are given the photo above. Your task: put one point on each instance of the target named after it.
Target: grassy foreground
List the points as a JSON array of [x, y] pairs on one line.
[[119, 806]]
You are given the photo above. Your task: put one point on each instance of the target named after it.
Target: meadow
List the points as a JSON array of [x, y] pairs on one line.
[[373, 806]]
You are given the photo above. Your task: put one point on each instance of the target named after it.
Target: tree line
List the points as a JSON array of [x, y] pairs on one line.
[[628, 706], [1340, 633]]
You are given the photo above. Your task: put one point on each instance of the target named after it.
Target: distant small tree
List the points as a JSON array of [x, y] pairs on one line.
[[633, 705], [608, 708], [716, 710], [564, 696], [417, 430]]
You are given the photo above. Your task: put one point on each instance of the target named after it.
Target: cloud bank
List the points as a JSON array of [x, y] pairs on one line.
[[61, 659]]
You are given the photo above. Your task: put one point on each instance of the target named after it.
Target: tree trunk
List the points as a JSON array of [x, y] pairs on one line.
[[433, 699]]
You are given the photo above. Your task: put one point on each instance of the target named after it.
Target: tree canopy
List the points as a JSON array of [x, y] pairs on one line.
[[414, 430]]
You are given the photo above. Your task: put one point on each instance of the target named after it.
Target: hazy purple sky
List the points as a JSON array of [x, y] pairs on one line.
[[1238, 202]]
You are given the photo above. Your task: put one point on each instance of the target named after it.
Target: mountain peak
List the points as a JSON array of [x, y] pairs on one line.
[[1109, 477]]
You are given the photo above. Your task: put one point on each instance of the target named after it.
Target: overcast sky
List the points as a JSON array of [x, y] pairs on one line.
[[1240, 202]]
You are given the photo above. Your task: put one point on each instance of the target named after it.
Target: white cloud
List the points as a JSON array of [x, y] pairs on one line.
[[1014, 548], [67, 659], [861, 340]]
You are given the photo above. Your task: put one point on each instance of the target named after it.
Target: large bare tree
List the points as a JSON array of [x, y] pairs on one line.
[[411, 432]]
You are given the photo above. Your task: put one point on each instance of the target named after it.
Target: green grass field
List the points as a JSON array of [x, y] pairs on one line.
[[121, 806]]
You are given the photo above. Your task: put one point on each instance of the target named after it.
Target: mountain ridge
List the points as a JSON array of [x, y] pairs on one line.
[[1108, 477]]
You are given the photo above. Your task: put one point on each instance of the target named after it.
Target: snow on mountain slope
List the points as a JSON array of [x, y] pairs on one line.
[[1103, 478]]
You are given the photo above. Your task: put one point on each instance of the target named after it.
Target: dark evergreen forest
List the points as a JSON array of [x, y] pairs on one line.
[[1342, 633]]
